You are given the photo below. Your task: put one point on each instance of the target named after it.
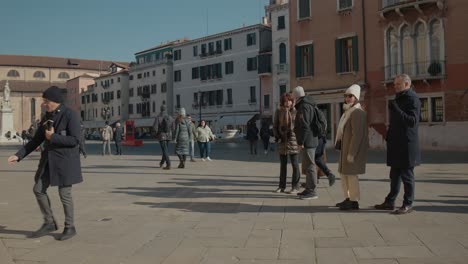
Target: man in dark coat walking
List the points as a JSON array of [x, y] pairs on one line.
[[307, 140], [163, 126], [118, 137], [403, 152], [60, 160]]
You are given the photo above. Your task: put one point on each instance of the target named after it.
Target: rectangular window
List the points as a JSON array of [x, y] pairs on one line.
[[178, 101], [203, 50], [219, 47], [154, 73], [304, 9], [163, 87], [177, 76], [82, 100], [253, 95], [154, 107], [266, 101], [251, 39], [252, 64], [305, 60], [139, 76], [228, 44], [203, 73], [195, 73], [154, 88], [211, 49], [345, 4], [130, 78], [195, 51], [229, 67], [282, 89], [118, 79], [229, 96], [281, 23], [130, 108], [130, 92], [118, 94], [118, 109], [424, 110], [347, 59], [112, 81], [177, 54], [437, 109], [219, 97]]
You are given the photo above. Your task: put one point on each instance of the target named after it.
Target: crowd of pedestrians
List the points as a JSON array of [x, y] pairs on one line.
[[299, 129]]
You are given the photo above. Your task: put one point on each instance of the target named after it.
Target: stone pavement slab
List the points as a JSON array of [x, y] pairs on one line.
[[130, 211]]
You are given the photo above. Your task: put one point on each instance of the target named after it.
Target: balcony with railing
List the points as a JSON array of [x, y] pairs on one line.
[[282, 68], [425, 70], [399, 6]]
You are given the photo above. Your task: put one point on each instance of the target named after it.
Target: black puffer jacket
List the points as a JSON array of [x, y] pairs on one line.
[[304, 121]]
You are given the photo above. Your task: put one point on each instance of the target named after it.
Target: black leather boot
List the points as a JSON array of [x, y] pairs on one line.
[[45, 229], [68, 232]]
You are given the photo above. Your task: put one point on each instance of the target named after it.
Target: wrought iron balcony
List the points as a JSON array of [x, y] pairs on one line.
[[417, 70], [282, 68], [399, 5]]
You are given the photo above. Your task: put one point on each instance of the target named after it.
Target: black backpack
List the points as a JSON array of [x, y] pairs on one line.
[[320, 123]]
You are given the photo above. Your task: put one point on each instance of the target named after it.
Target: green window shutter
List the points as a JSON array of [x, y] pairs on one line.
[[338, 55], [298, 62], [312, 59], [355, 54]]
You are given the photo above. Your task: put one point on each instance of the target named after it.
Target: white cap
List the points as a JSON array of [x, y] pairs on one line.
[[182, 111], [298, 92], [354, 90]]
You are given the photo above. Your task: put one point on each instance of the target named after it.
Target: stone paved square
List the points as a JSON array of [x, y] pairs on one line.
[[130, 211]]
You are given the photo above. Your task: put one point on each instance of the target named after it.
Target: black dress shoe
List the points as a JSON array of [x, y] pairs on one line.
[[44, 230], [331, 179], [405, 209], [167, 168], [350, 205], [385, 206], [161, 164], [68, 232], [343, 202]]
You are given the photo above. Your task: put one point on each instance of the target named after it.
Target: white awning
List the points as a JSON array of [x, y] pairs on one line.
[[143, 122]]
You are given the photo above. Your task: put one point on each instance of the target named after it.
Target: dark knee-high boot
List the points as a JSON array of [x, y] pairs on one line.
[[181, 162]]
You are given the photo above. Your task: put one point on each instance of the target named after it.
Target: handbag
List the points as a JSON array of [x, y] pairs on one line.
[[338, 145]]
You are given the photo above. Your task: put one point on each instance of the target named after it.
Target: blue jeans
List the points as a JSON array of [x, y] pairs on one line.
[[205, 149]]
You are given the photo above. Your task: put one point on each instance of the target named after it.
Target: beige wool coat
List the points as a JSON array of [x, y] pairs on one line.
[[355, 142]]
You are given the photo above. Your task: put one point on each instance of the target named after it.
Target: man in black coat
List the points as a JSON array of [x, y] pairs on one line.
[[60, 160], [118, 137], [163, 126], [403, 152], [307, 140]]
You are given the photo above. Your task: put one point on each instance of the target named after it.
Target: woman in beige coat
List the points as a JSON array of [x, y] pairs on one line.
[[352, 141]]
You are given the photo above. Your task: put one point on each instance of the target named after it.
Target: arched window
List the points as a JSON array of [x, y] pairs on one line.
[[39, 74], [63, 75], [420, 44], [392, 53], [13, 73], [282, 53], [406, 50], [436, 40]]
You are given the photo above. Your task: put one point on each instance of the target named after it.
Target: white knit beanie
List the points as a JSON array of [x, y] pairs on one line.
[[354, 90], [182, 111], [298, 92]]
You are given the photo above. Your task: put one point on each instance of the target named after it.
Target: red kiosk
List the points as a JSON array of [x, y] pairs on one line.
[[130, 135]]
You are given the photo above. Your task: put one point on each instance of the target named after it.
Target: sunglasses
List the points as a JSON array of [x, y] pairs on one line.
[[348, 95]]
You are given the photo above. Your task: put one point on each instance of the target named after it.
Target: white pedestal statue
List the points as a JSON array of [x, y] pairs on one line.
[[6, 117]]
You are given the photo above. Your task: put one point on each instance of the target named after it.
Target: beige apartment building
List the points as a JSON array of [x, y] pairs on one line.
[[29, 76]]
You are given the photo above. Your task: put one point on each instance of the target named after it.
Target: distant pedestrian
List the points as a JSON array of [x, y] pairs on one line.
[[163, 126], [320, 150], [193, 138], [353, 143], [283, 129], [252, 137], [265, 136], [182, 137], [107, 135], [118, 137], [403, 152], [306, 139], [204, 138], [59, 163], [82, 146]]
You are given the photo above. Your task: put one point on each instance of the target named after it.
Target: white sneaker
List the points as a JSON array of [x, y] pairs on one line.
[[203, 159], [208, 159]]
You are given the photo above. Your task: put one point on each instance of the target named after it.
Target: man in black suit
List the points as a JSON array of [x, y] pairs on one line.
[[60, 160], [403, 152]]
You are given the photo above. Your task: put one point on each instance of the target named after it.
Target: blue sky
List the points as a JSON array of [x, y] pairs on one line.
[[114, 29]]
